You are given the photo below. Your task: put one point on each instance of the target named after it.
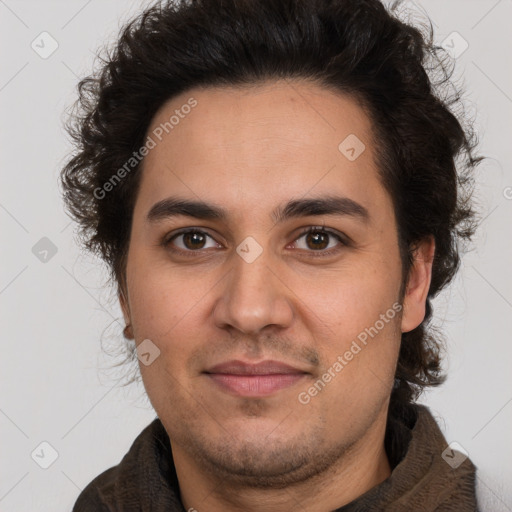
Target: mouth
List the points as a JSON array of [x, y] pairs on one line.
[[254, 380]]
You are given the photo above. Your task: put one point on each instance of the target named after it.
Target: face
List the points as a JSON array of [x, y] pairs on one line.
[[242, 282]]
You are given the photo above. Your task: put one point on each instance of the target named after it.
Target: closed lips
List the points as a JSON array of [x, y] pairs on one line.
[[269, 367]]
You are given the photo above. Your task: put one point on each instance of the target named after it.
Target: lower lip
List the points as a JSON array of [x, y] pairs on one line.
[[255, 385]]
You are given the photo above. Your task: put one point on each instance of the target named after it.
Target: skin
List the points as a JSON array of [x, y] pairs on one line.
[[250, 150]]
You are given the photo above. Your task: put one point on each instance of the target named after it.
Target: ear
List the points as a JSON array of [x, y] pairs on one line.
[[418, 284], [125, 307]]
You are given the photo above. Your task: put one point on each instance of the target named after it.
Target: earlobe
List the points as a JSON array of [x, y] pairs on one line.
[[127, 331], [418, 284]]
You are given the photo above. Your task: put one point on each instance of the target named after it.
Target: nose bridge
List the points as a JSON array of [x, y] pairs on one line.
[[253, 297]]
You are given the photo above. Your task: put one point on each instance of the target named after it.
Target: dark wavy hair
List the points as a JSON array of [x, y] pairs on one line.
[[425, 148]]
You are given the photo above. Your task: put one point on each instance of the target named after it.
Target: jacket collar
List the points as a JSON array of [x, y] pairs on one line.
[[421, 479]]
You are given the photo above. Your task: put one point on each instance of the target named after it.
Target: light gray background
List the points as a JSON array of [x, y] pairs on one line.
[[56, 386]]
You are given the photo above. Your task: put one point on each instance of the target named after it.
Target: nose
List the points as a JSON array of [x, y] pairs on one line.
[[254, 296]]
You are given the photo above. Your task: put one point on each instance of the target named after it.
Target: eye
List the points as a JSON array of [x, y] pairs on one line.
[[192, 240], [317, 239]]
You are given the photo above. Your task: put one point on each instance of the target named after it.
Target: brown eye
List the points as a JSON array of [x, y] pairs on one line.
[[189, 241], [318, 239], [193, 240]]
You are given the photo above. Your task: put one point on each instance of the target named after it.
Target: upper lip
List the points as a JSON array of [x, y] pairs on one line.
[[268, 367]]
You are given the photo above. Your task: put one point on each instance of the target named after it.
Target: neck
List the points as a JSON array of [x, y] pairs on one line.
[[360, 469]]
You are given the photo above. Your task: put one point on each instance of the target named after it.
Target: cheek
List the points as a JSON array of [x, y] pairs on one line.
[[358, 370], [348, 300], [165, 309], [162, 298], [356, 314]]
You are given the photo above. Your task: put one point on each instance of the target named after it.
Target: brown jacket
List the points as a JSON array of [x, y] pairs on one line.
[[421, 479]]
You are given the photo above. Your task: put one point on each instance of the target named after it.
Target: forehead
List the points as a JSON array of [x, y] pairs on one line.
[[253, 147]]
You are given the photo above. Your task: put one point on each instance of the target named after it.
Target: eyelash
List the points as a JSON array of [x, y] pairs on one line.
[[166, 242]]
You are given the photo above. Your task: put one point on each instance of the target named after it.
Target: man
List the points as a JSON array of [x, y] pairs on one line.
[[273, 185]]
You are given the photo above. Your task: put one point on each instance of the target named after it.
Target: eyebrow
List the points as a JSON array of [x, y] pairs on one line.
[[295, 208]]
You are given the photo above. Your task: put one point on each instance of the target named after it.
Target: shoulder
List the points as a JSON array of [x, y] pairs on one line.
[[91, 498], [120, 483]]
